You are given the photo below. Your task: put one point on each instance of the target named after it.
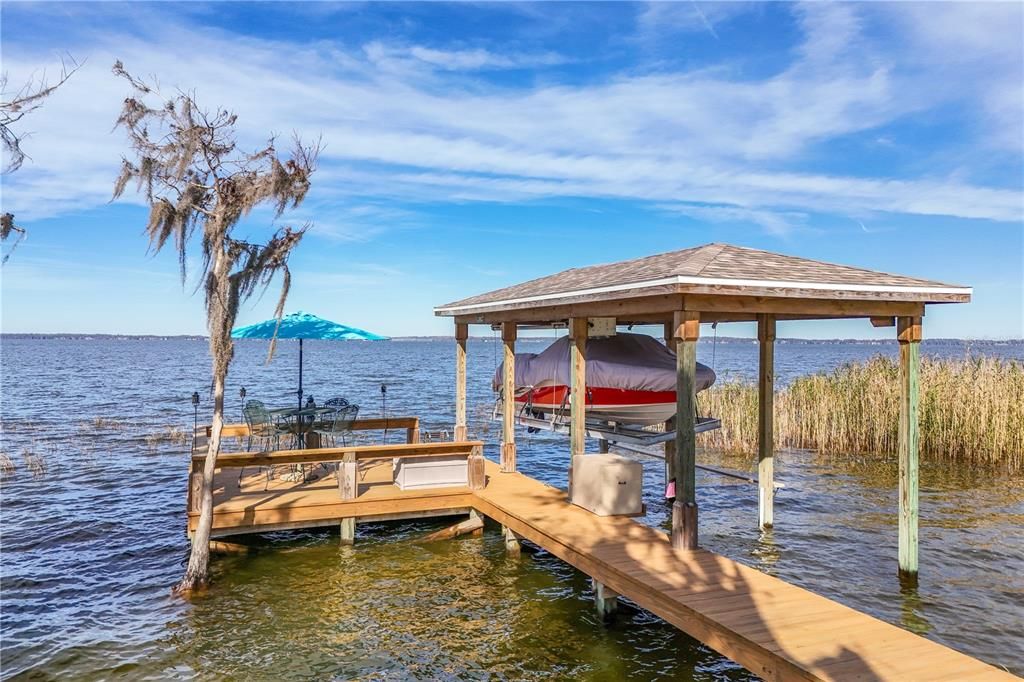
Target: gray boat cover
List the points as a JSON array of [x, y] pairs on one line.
[[635, 362]]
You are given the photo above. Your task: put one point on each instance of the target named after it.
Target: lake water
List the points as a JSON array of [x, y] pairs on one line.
[[93, 533]]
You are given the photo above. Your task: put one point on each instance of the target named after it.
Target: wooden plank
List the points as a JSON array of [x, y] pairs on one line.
[[362, 453], [461, 335], [686, 331], [470, 525], [629, 303], [765, 421], [508, 418], [909, 336], [801, 306], [578, 332]]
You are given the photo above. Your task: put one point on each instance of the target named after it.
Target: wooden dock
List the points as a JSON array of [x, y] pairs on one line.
[[774, 629]]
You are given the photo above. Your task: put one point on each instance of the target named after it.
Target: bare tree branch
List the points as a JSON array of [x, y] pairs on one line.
[[16, 106], [12, 109]]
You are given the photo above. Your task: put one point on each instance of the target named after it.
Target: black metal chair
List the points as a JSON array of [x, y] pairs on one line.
[[338, 423], [262, 430]]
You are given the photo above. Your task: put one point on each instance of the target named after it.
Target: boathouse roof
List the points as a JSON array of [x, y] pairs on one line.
[[718, 270]]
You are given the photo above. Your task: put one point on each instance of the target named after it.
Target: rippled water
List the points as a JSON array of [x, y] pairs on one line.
[[93, 535]]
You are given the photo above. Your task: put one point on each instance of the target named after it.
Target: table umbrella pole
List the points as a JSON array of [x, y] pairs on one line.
[[300, 435]]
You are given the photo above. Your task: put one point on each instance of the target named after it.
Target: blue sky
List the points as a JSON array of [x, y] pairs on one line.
[[473, 146]]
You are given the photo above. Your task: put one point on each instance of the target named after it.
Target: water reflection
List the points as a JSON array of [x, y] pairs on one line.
[[911, 611], [766, 553]]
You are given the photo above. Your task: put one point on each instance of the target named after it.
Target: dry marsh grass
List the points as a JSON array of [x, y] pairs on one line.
[[168, 434], [970, 410]]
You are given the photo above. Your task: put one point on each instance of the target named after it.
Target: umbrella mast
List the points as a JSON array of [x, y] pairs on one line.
[[300, 373]]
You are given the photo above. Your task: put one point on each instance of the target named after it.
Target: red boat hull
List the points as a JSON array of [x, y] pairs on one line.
[[610, 404]]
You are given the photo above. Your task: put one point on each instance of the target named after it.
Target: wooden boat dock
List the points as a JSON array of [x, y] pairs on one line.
[[774, 629]]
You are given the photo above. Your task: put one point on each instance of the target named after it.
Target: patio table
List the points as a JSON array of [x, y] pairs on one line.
[[300, 422]]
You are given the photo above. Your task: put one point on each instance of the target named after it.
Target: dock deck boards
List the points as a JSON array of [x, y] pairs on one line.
[[248, 508], [775, 629]]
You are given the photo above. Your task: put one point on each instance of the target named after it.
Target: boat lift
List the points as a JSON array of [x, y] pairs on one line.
[[632, 438], [613, 432]]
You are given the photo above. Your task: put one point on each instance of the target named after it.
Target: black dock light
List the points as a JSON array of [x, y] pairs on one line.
[[384, 409], [195, 417], [241, 396]]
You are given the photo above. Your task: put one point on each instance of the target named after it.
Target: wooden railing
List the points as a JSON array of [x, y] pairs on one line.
[[346, 457], [359, 452], [410, 424]]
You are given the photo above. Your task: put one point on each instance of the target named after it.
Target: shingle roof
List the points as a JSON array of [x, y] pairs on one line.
[[731, 269]]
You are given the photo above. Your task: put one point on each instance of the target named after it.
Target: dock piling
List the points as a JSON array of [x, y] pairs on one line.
[[606, 600], [686, 326], [909, 336], [579, 329], [508, 422], [348, 485], [461, 335], [512, 541], [766, 421]]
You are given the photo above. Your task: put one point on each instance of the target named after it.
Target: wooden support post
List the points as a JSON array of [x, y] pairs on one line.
[[670, 424], [684, 510], [508, 431], [512, 541], [461, 335], [476, 473], [578, 332], [195, 489], [909, 335], [347, 485], [606, 600], [766, 421], [602, 446]]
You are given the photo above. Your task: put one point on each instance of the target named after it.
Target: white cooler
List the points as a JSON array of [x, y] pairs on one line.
[[443, 471], [608, 485]]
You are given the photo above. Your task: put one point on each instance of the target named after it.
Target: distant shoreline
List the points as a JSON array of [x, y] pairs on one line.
[[704, 339]]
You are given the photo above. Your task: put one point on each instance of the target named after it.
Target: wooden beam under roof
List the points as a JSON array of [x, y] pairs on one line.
[[726, 308]]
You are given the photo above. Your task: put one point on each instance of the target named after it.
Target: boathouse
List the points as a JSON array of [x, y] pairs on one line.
[[712, 283]]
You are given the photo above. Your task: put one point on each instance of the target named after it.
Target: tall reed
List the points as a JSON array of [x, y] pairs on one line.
[[970, 410]]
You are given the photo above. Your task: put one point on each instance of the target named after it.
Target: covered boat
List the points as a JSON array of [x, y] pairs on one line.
[[631, 379]]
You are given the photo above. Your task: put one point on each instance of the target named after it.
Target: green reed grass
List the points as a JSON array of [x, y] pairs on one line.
[[970, 410]]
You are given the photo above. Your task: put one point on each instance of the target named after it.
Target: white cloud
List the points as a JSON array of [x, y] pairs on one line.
[[661, 21], [436, 133], [773, 222], [392, 57]]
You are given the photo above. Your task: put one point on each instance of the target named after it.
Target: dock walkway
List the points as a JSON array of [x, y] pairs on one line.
[[774, 629]]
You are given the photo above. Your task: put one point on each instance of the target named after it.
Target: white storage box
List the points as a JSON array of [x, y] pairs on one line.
[[608, 485], [443, 471]]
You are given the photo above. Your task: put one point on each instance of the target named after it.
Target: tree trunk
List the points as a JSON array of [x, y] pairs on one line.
[[197, 574]]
